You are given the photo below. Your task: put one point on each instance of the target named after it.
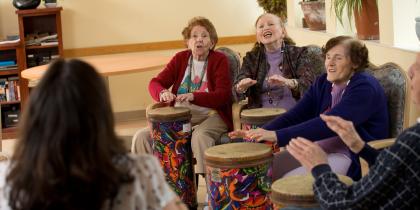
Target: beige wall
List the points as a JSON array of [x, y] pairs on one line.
[[85, 24], [8, 19]]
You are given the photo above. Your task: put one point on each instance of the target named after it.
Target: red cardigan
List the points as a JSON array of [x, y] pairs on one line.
[[219, 83]]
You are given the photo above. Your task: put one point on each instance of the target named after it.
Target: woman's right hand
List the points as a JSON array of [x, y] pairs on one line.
[[237, 134], [166, 96], [244, 84], [345, 129]]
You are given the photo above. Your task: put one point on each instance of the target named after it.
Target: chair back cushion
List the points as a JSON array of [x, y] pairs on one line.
[[314, 54], [394, 80], [234, 60]]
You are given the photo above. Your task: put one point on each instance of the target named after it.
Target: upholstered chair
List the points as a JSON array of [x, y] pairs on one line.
[[395, 82]]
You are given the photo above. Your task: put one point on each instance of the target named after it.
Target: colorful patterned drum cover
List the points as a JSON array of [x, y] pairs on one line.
[[171, 134], [239, 176], [297, 191], [256, 118]]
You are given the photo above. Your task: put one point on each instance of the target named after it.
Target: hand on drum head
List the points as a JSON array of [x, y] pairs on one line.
[[238, 134], [345, 129], [167, 96], [260, 134], [308, 153], [185, 97]]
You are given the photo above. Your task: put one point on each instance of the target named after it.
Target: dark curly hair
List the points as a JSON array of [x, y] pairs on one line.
[[204, 22], [358, 52]]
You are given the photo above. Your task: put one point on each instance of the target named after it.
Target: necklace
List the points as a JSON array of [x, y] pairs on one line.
[[280, 68], [191, 67]]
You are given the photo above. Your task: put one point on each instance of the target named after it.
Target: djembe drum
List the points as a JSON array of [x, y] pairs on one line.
[[256, 118], [239, 176], [297, 191], [171, 134]]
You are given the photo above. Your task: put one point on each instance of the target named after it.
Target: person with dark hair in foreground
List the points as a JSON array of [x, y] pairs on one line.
[[68, 155], [346, 91], [393, 181]]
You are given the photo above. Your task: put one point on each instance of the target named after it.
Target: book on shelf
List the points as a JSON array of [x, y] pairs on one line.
[[9, 41], [3, 89], [38, 39], [9, 89], [49, 43], [7, 68], [7, 63]]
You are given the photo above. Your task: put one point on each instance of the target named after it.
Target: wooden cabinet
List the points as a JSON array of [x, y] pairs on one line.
[[40, 43], [40, 32], [12, 86]]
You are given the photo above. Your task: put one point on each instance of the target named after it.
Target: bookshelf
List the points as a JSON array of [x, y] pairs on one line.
[[41, 35], [11, 85], [40, 42]]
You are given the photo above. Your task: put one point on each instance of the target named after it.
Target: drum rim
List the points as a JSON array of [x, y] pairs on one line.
[[305, 200], [229, 162], [259, 120], [185, 114]]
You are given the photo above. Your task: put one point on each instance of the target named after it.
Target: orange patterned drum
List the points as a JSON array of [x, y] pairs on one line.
[[171, 134], [239, 176]]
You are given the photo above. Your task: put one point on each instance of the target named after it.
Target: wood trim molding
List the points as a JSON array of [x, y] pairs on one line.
[[130, 115], [149, 46]]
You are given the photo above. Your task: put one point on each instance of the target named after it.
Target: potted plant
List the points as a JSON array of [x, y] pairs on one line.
[[314, 12], [365, 15], [278, 7]]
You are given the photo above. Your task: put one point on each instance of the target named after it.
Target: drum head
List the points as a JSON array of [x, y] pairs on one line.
[[260, 115], [234, 155], [168, 114], [297, 190]]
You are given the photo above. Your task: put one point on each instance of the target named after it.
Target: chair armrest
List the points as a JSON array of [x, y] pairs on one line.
[[377, 144], [381, 144], [236, 113]]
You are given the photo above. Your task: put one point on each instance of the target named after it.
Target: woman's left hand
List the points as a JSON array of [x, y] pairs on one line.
[[185, 97], [278, 80], [308, 153], [260, 134]]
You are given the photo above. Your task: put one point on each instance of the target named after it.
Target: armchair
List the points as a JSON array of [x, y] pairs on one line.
[[395, 82]]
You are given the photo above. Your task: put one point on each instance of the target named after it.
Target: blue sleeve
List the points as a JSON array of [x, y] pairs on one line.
[[357, 102]]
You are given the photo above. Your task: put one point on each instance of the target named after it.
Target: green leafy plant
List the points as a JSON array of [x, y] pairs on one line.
[[351, 5], [278, 7]]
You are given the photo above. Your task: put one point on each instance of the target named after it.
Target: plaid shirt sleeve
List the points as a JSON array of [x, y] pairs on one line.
[[393, 182]]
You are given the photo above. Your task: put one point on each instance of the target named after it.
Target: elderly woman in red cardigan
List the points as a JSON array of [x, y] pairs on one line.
[[200, 80]]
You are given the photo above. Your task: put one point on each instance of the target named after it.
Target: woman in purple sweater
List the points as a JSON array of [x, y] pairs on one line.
[[345, 91]]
